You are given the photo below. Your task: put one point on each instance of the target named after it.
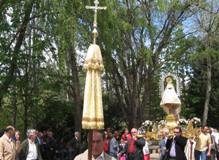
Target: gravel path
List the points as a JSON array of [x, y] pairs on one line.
[[154, 156]]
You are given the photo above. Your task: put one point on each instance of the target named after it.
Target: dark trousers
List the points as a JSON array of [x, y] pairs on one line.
[[131, 156]]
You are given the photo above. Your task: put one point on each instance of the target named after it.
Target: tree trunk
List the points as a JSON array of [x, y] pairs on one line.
[[14, 104], [13, 65], [1, 4], [208, 92], [133, 116], [25, 116], [75, 86], [26, 98]]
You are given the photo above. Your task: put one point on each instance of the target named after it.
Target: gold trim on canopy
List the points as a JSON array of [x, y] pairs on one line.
[[93, 107]]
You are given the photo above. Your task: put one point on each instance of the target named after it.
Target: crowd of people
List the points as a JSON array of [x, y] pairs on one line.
[[127, 145], [44, 146], [106, 145], [203, 146], [39, 145]]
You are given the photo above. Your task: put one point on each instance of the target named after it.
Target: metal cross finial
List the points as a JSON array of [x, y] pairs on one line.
[[95, 8]]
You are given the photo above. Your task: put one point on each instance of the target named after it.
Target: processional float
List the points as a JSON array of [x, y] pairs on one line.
[[171, 104], [170, 101], [92, 118]]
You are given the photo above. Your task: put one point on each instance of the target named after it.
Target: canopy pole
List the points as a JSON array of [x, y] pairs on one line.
[[90, 137]]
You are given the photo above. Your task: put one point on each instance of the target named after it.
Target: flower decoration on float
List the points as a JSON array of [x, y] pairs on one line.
[[162, 122], [182, 121], [196, 121], [147, 123]]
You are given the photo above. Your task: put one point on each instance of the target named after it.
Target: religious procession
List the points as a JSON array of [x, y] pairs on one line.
[[120, 80]]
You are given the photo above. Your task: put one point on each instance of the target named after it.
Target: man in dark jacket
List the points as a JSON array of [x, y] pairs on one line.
[[175, 145], [140, 142], [75, 145], [29, 148]]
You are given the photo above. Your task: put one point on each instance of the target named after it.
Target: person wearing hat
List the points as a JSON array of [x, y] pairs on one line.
[[7, 145]]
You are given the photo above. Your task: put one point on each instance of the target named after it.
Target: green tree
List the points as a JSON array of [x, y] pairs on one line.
[[207, 20], [135, 42]]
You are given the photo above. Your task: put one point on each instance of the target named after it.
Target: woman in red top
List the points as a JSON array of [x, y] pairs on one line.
[[107, 138]]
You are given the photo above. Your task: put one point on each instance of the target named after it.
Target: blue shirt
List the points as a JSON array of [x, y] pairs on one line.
[[173, 150]]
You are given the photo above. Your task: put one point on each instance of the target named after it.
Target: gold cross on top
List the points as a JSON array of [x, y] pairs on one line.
[[95, 8]]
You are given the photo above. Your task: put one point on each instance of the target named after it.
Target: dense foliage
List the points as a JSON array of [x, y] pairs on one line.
[[43, 44]]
